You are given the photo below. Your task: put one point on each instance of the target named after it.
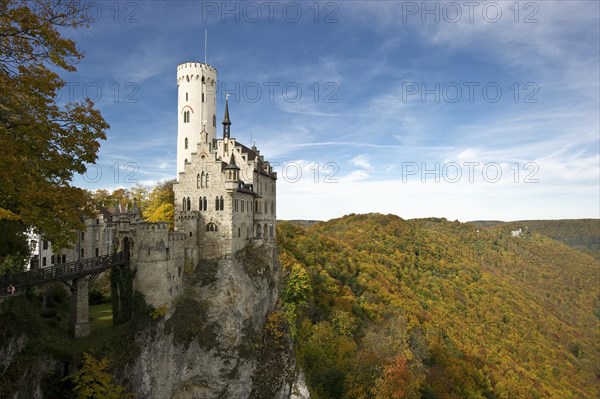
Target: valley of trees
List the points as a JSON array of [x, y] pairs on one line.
[[381, 307]]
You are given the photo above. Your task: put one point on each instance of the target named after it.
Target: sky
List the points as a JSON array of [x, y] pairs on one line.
[[463, 110]]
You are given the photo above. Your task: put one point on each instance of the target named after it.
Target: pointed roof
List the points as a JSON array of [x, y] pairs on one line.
[[226, 120], [232, 164]]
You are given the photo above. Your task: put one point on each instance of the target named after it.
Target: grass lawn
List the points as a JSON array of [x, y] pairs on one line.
[[52, 327]]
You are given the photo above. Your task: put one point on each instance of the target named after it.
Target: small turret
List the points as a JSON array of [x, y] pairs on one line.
[[231, 174]]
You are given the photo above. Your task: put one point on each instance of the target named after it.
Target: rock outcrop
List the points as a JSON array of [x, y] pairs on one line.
[[213, 342]]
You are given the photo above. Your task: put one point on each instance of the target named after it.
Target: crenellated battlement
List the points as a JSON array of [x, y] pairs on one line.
[[196, 72], [153, 226], [175, 236], [196, 65]]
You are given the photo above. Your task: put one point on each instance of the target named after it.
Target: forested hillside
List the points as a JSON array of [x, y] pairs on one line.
[[380, 307], [581, 234]]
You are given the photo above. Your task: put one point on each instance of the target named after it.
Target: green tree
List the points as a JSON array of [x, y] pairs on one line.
[[43, 143], [93, 381], [14, 239]]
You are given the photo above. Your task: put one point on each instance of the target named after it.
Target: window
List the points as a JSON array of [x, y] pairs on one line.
[[271, 231], [186, 96], [200, 203], [222, 202], [97, 252], [52, 260], [214, 120], [82, 236], [64, 259], [82, 253], [239, 232], [198, 182], [45, 244], [211, 227], [202, 180], [206, 181], [189, 204], [183, 204], [243, 203], [273, 207], [44, 261], [186, 143], [256, 206], [216, 203], [258, 231], [186, 117], [235, 205], [205, 203], [97, 221], [203, 100]]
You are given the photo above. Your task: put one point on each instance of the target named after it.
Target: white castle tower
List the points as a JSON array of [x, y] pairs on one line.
[[196, 108]]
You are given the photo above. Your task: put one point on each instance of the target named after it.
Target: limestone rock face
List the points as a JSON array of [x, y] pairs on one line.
[[212, 343]]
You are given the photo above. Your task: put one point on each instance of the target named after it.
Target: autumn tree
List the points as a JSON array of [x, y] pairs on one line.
[[43, 142], [93, 381], [160, 206]]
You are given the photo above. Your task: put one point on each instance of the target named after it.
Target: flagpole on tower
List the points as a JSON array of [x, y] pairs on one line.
[[205, 43]]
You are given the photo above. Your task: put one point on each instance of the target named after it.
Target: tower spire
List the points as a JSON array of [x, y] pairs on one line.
[[226, 122]]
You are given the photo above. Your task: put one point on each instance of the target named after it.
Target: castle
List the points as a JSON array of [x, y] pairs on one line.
[[225, 195], [225, 199]]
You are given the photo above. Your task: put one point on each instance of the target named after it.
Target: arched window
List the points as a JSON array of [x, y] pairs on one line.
[[186, 143], [187, 78], [265, 230], [202, 79], [206, 181], [211, 227], [203, 100], [205, 203], [186, 96], [183, 204], [214, 120], [222, 203], [198, 181], [216, 203], [200, 203], [202, 180], [189, 204], [258, 231], [239, 231]]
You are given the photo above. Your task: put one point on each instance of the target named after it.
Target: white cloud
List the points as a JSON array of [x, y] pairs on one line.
[[361, 161]]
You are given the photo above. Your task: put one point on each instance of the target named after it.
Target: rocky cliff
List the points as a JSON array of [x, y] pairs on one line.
[[213, 341]]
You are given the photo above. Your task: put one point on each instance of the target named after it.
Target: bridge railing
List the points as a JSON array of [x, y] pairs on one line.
[[63, 272]]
